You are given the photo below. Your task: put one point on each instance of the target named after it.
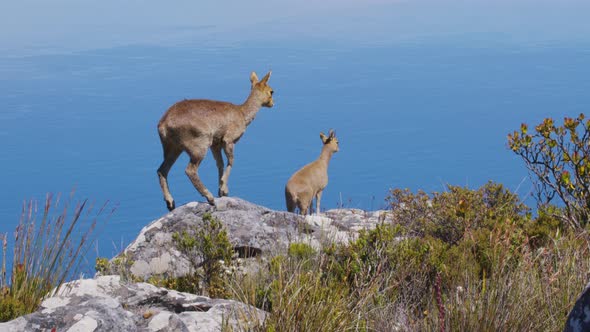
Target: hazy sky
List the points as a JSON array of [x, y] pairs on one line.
[[64, 25]]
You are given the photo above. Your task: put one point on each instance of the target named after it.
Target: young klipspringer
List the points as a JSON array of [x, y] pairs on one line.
[[196, 125], [310, 181]]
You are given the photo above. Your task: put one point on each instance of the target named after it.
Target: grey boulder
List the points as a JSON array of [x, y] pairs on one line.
[[107, 304], [254, 231], [578, 319]]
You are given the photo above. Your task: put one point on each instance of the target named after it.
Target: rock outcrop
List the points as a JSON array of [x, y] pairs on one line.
[[254, 231], [578, 319], [107, 304]]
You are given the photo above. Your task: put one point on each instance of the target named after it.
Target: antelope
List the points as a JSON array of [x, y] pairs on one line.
[[196, 125], [309, 182]]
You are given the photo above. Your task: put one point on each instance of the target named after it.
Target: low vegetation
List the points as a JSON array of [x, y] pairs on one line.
[[211, 256], [493, 267], [45, 252]]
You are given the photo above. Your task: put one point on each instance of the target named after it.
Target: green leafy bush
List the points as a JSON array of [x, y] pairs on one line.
[[558, 159], [120, 265], [450, 214], [211, 255], [301, 250], [102, 265]]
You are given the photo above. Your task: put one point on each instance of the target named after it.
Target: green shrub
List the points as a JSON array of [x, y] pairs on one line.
[[189, 283], [102, 265], [301, 250], [120, 265], [450, 214], [558, 159], [211, 256], [10, 308]]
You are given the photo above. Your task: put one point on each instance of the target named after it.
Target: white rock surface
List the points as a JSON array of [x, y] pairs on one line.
[[253, 230], [107, 304]]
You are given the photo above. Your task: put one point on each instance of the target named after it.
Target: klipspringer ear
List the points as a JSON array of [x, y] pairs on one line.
[[323, 137], [332, 134], [266, 77], [253, 78]]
